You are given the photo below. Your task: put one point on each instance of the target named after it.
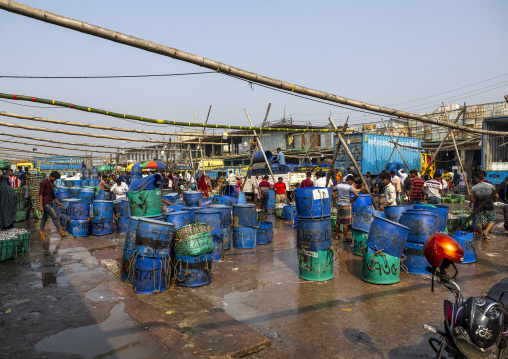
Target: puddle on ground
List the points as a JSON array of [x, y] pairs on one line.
[[119, 337], [100, 293]]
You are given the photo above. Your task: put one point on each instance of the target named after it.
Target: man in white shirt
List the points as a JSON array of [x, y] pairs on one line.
[[231, 177], [321, 181], [120, 189], [433, 189], [397, 183], [255, 188], [402, 174], [390, 193]]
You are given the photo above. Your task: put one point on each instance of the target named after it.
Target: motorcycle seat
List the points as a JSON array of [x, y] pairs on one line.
[[497, 291]]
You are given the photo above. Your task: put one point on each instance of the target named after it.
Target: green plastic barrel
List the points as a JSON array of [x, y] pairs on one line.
[[380, 268], [315, 265], [145, 203], [359, 241]]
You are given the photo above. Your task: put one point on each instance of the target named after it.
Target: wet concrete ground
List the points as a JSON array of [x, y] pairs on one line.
[[64, 299]]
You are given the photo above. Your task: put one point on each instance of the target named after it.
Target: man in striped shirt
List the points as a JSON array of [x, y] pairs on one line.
[[416, 190], [434, 189]]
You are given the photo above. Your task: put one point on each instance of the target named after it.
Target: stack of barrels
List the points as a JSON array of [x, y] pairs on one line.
[[314, 233], [245, 226], [361, 226], [122, 213], [226, 222]]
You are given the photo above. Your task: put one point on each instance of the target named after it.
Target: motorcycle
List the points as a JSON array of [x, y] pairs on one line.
[[476, 327]]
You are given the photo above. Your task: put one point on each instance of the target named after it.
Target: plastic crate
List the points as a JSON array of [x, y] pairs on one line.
[[37, 213], [8, 249], [21, 216], [459, 197]]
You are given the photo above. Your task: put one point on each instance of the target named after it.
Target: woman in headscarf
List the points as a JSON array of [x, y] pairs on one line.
[[8, 203], [171, 181], [238, 184], [203, 186], [208, 182]]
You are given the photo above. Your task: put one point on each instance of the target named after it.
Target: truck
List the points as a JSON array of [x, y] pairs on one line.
[[372, 154], [495, 151]]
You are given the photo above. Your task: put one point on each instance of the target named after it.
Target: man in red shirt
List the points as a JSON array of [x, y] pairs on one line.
[[12, 178], [416, 191], [307, 182], [280, 191], [46, 198], [264, 191]]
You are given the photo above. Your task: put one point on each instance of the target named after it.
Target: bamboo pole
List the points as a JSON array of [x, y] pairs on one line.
[[391, 154], [458, 154], [260, 146], [483, 204], [344, 144], [396, 145], [201, 147], [249, 170], [54, 146], [434, 155], [118, 37], [335, 154], [44, 129]]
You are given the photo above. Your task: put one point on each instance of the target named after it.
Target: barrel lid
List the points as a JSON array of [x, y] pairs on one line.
[[76, 188], [209, 210], [102, 201], [430, 212], [391, 222], [72, 200], [191, 208], [219, 206], [179, 213], [246, 205], [155, 222]]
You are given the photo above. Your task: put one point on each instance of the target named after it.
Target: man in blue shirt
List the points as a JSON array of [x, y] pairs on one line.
[[280, 158]]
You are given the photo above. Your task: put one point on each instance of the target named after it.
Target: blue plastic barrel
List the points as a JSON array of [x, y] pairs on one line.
[[74, 192], [421, 224], [192, 198], [466, 240], [227, 236], [271, 198], [102, 221], [154, 238], [225, 200], [245, 215], [95, 174], [244, 237], [288, 212], [313, 202], [105, 196], [218, 243], [63, 212], [87, 194], [150, 275], [443, 217], [206, 202], [192, 211], [393, 213], [265, 232], [176, 207], [130, 235], [68, 183], [78, 228], [178, 218], [389, 236], [415, 259], [364, 217], [62, 193], [122, 223], [314, 235], [78, 183], [121, 207], [258, 157], [212, 217], [229, 190], [136, 173], [78, 209], [193, 271], [86, 173], [226, 213], [171, 197], [363, 200]]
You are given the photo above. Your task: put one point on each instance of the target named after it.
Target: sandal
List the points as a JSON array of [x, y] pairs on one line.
[[64, 234], [486, 237], [44, 236]]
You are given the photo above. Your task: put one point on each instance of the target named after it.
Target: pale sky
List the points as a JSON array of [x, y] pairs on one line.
[[387, 53]]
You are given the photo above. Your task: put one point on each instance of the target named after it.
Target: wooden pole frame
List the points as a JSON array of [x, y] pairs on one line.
[[335, 154], [249, 170], [396, 145]]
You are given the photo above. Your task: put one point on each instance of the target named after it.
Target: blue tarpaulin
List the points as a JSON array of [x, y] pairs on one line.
[[146, 183]]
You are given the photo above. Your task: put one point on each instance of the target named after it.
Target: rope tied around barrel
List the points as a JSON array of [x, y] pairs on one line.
[[335, 252], [379, 252], [402, 265]]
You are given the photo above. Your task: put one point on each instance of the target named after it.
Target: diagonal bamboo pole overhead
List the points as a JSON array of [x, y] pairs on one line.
[[116, 36]]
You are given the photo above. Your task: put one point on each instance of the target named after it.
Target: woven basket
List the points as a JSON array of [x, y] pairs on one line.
[[259, 214], [23, 242], [21, 216], [8, 249], [196, 245], [190, 230]]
